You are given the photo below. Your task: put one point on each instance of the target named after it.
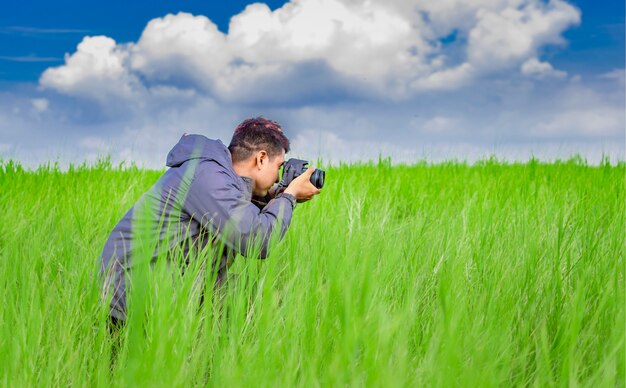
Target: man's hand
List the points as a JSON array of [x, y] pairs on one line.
[[301, 188], [274, 191]]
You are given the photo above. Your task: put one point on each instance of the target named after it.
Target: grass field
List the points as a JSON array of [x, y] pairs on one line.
[[493, 274]]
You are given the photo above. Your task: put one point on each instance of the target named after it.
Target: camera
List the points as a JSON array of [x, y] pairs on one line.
[[291, 170], [294, 168]]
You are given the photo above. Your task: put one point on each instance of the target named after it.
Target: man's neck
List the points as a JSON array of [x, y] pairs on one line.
[[243, 169]]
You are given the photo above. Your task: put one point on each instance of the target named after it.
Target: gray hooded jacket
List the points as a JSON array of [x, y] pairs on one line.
[[199, 200]]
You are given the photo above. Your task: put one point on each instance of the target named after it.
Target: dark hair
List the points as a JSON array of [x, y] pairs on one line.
[[257, 134]]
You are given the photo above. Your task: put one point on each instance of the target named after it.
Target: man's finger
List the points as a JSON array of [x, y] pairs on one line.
[[315, 189], [309, 171]]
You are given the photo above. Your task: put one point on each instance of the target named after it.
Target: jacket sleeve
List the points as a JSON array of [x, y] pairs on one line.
[[215, 200]]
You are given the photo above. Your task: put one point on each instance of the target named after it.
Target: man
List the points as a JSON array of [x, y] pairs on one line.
[[205, 198]]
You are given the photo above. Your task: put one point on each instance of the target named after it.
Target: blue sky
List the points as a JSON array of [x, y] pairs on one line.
[[43, 31], [410, 79]]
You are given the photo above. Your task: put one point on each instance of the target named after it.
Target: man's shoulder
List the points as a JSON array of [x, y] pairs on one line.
[[213, 188], [213, 174]]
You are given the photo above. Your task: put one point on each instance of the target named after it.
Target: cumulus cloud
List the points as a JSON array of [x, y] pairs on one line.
[[311, 50], [348, 79], [97, 70], [510, 35], [541, 70]]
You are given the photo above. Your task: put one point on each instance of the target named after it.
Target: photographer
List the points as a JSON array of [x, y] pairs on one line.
[[205, 197]]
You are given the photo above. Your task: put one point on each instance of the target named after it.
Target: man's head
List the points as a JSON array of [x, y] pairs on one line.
[[258, 150]]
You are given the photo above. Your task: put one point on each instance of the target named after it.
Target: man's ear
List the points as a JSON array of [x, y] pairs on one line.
[[261, 158]]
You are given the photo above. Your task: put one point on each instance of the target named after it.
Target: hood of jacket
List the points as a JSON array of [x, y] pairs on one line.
[[199, 147]]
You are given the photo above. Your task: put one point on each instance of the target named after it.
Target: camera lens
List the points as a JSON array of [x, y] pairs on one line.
[[317, 178]]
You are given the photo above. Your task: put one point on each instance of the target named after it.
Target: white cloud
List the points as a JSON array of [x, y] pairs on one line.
[[448, 79], [358, 40], [618, 75], [348, 79], [592, 122], [180, 46], [331, 148], [365, 45], [312, 49], [40, 104], [437, 125], [512, 122], [507, 37], [97, 70], [541, 70]]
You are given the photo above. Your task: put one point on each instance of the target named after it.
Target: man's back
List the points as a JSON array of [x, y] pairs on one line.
[[200, 198]]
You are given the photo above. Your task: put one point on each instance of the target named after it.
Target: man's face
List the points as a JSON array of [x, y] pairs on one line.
[[267, 172]]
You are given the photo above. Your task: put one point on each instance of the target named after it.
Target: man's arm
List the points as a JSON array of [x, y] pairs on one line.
[[261, 202], [215, 200]]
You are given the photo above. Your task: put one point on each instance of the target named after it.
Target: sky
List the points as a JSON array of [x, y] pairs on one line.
[[349, 80]]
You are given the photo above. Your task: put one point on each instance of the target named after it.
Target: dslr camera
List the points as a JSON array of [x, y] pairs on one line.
[[293, 168]]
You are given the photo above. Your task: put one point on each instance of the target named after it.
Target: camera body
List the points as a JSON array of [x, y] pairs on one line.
[[294, 168], [291, 170]]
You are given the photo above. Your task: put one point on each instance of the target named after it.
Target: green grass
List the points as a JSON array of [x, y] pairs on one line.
[[487, 275]]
